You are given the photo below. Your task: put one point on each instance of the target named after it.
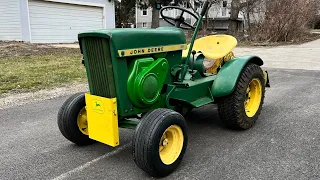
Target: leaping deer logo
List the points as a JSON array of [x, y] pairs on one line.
[[97, 104]]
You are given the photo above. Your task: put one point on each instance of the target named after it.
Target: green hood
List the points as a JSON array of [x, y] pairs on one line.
[[131, 38]]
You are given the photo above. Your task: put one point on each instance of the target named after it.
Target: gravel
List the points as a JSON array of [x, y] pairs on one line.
[[11, 100]]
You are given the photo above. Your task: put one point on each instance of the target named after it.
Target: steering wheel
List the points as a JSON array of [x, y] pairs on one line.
[[179, 20]]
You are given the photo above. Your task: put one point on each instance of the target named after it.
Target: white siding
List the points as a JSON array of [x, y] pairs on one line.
[[144, 19], [10, 20], [53, 22], [110, 15]]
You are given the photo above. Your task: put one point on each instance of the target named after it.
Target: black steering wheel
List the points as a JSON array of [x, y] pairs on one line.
[[179, 20]]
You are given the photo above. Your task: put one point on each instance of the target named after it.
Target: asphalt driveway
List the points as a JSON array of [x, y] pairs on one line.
[[284, 143]]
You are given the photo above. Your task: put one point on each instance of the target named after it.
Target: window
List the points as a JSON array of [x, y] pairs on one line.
[[224, 8], [144, 12], [144, 25], [224, 3]]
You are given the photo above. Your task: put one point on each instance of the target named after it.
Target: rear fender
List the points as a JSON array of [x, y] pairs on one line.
[[227, 78]]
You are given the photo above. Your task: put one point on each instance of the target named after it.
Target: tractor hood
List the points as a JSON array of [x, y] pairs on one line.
[[130, 41]]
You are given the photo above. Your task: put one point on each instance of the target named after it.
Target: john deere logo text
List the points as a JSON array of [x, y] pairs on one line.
[[98, 106], [151, 50], [146, 50]]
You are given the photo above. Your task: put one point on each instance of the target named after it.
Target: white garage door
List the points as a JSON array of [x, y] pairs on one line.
[[53, 22]]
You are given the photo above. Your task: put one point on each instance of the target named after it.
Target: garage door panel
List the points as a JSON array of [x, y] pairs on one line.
[[71, 13], [54, 19], [53, 22], [61, 28], [76, 10], [55, 5], [69, 26], [92, 25], [82, 15], [50, 34]]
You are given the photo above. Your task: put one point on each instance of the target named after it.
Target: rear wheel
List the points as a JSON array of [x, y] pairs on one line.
[[160, 142], [241, 109], [72, 120]]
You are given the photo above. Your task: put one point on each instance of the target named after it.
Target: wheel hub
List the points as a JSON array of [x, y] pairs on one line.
[[253, 97], [171, 144], [82, 121], [165, 142]]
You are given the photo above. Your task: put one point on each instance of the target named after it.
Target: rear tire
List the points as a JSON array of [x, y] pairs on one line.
[[68, 120], [241, 109], [159, 142]]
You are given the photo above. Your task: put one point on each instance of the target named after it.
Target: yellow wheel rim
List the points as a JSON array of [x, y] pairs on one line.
[[82, 121], [253, 97], [171, 144]]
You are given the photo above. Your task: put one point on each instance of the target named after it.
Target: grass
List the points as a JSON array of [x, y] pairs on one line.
[[28, 67], [37, 68]]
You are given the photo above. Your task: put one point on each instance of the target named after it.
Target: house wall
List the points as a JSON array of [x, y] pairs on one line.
[[10, 20], [15, 17], [216, 11], [143, 19]]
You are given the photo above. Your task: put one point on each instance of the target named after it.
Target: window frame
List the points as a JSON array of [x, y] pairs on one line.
[[146, 10]]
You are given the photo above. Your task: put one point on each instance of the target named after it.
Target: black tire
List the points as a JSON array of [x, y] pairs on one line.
[[67, 120], [147, 137], [232, 109]]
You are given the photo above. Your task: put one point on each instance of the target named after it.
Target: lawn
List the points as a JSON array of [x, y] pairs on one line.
[[28, 67]]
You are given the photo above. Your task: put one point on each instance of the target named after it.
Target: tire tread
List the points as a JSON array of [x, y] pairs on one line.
[[230, 107]]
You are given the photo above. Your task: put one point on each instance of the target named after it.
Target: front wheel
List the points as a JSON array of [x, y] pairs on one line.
[[159, 142], [72, 120], [241, 109]]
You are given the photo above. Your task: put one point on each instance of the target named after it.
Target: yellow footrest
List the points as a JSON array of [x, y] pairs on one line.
[[102, 117]]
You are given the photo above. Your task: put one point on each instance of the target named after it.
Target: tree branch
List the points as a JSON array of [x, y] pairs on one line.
[[247, 3]]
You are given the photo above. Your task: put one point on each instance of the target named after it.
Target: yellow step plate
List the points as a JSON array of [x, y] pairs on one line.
[[102, 118]]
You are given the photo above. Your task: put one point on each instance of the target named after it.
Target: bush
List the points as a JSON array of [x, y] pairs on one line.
[[283, 20]]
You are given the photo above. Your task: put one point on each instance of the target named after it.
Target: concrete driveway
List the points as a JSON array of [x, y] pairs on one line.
[[284, 143], [305, 56]]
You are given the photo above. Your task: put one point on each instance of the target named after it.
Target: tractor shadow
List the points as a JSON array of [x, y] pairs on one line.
[[207, 115]]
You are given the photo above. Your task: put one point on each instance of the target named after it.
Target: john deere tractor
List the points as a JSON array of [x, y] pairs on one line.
[[148, 79]]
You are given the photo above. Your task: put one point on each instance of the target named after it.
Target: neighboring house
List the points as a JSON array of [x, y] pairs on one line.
[[218, 13], [53, 21]]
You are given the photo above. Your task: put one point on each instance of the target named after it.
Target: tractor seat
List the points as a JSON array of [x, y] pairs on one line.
[[213, 47]]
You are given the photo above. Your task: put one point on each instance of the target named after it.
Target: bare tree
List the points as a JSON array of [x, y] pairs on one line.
[[284, 20], [124, 10], [197, 4], [236, 7]]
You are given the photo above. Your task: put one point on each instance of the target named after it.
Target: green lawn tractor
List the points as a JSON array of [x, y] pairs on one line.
[[149, 79]]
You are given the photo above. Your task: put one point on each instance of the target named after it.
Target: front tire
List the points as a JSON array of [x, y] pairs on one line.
[[72, 120], [159, 142], [241, 109]]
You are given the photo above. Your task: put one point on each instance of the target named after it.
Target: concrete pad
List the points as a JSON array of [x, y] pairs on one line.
[[66, 45], [283, 144], [305, 56]]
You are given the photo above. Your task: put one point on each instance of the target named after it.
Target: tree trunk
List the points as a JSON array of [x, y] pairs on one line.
[[205, 29], [155, 18], [235, 9], [248, 15]]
